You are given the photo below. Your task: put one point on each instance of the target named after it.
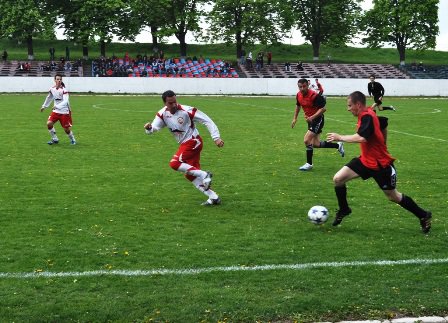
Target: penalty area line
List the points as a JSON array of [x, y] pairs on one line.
[[198, 271]]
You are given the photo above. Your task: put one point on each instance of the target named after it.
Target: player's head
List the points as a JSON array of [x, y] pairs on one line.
[[356, 101], [169, 98], [167, 94], [372, 78], [303, 85], [58, 80]]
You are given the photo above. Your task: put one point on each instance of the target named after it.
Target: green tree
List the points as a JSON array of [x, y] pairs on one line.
[[403, 23], [25, 19], [86, 20], [324, 21], [154, 19], [245, 22], [181, 16]]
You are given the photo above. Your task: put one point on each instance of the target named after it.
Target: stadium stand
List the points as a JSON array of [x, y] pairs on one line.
[[426, 72], [321, 70], [155, 67], [40, 68]]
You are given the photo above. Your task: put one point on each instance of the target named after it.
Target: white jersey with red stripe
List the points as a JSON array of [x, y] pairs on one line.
[[61, 100], [182, 123]]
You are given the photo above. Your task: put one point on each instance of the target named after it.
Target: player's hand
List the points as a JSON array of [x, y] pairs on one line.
[[293, 123], [333, 137], [219, 142], [148, 126]]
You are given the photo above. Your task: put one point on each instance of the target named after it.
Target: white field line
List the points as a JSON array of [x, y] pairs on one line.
[[198, 271]]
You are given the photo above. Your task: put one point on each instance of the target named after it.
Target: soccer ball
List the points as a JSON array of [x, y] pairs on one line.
[[318, 214]]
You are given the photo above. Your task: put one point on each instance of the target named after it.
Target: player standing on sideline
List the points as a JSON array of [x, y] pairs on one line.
[[313, 105], [377, 90], [375, 161], [180, 120], [61, 110]]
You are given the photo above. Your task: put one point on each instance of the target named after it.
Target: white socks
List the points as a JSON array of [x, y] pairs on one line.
[[197, 182], [52, 132]]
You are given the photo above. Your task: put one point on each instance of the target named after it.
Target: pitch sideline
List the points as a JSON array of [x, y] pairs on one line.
[[199, 271]]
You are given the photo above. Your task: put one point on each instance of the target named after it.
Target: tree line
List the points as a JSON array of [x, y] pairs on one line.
[[401, 23]]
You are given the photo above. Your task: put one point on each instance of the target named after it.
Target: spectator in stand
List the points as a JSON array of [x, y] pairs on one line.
[[414, 66], [269, 57], [27, 67], [300, 66], [249, 61], [243, 57], [5, 56], [288, 67], [421, 67], [258, 62], [20, 67], [68, 66]]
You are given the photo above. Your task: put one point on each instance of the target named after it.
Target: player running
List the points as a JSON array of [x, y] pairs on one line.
[[375, 161], [180, 120], [313, 105]]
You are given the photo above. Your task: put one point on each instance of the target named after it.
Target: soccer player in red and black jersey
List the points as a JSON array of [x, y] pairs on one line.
[[313, 105], [375, 161]]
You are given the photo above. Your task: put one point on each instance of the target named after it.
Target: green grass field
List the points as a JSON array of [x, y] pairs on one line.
[[83, 226]]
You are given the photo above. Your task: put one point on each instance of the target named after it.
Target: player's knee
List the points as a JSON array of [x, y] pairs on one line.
[[338, 180], [175, 164]]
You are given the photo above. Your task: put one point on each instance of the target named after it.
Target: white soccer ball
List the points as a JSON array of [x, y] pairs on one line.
[[318, 214]]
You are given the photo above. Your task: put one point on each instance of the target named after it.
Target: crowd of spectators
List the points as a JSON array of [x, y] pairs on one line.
[[158, 66], [62, 65], [23, 67]]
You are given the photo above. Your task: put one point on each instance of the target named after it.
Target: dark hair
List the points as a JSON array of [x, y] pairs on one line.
[[167, 94], [301, 81], [358, 96], [372, 75]]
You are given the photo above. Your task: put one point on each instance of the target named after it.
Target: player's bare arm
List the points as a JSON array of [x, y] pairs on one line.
[[294, 119], [355, 138]]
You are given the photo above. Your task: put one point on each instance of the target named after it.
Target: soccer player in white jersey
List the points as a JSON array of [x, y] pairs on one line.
[[61, 110], [180, 120]]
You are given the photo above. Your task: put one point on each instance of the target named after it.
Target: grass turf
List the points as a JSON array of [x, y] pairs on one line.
[[112, 203]]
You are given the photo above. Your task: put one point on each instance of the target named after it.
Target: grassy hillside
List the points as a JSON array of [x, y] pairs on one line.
[[281, 53]]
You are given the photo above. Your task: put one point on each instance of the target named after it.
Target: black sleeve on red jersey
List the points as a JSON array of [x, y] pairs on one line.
[[319, 101], [366, 128]]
